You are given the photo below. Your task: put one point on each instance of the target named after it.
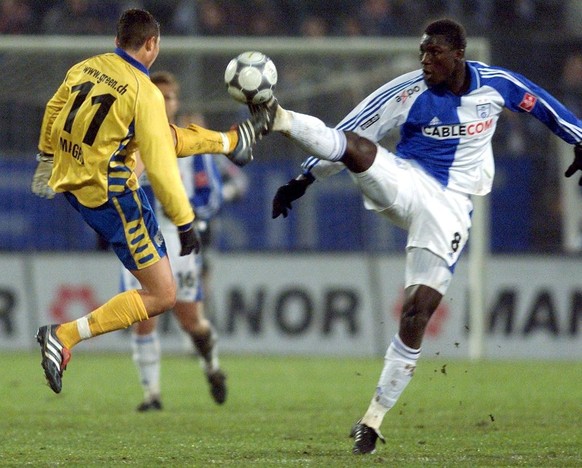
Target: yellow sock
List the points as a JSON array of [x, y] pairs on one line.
[[199, 140], [68, 334], [117, 313]]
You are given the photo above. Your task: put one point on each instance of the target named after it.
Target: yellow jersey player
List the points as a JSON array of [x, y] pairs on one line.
[[105, 111]]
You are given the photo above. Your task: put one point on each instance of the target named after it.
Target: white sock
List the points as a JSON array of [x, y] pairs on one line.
[[399, 366], [311, 134], [213, 364], [147, 358]]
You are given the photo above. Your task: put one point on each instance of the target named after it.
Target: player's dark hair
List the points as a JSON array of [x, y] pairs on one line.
[[453, 32], [134, 27]]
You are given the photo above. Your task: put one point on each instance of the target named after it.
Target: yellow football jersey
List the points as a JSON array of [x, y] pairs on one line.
[[105, 110]]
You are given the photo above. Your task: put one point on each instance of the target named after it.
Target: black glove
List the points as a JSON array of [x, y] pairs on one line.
[[251, 130], [189, 239], [289, 192], [577, 163]]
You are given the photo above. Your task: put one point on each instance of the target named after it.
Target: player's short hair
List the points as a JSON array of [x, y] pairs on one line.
[[165, 77], [454, 32], [135, 27]]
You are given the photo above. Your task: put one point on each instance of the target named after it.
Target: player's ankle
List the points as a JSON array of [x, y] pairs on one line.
[[282, 122]]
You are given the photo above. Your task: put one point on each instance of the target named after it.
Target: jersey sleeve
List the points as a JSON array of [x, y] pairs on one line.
[[522, 95], [156, 147], [195, 139], [52, 109]]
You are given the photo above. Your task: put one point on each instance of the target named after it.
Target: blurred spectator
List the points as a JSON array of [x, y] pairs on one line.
[[477, 15], [573, 17], [350, 26], [184, 21], [163, 11], [382, 18], [314, 26], [528, 17], [572, 83], [16, 17], [264, 18], [80, 17], [213, 18], [524, 9]]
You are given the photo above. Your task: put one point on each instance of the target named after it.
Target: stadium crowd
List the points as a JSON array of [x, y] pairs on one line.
[[291, 17]]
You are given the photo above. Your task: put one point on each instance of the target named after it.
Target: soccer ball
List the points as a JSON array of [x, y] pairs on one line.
[[251, 77]]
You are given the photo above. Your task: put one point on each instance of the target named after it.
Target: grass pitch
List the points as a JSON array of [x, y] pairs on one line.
[[290, 411]]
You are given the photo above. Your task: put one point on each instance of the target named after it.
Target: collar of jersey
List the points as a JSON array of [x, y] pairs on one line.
[[475, 79], [128, 58]]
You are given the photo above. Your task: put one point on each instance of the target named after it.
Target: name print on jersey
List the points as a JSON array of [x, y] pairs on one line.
[[469, 129], [73, 149], [106, 79]]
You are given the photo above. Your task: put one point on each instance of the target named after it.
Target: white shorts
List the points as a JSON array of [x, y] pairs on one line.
[[186, 270], [437, 219], [427, 268]]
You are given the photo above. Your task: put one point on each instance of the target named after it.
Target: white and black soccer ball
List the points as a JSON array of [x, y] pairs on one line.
[[251, 77]]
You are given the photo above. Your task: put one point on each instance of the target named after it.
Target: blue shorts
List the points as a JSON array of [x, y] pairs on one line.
[[128, 223]]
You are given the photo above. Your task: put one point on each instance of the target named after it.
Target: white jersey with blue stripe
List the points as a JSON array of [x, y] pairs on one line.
[[449, 136], [203, 184]]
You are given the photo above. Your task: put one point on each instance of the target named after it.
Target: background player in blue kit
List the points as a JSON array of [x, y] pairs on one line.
[[201, 178], [447, 113]]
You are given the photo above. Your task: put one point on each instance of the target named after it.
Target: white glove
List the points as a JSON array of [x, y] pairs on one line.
[[42, 174]]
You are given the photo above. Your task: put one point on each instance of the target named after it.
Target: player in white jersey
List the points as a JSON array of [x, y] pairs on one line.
[[201, 180], [447, 112]]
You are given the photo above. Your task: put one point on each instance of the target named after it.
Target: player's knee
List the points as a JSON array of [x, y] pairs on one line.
[[190, 318], [418, 309], [166, 297], [360, 153]]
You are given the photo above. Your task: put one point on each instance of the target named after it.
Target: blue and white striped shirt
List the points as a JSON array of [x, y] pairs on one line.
[[449, 136]]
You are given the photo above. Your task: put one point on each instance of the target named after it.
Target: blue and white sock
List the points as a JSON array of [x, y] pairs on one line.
[[147, 358]]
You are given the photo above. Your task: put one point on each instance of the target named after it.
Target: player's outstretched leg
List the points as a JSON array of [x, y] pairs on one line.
[[205, 344], [308, 132], [55, 356]]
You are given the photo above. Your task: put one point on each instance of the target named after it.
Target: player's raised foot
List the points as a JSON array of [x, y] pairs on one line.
[[217, 381], [268, 112], [365, 438], [55, 356], [155, 404]]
